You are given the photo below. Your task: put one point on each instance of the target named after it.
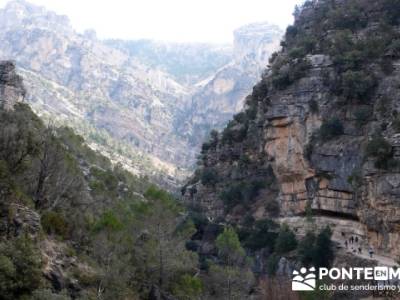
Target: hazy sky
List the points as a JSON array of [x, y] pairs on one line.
[[171, 20]]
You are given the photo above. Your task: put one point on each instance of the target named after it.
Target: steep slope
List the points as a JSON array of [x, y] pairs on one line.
[[72, 225], [132, 100], [76, 78], [217, 98], [319, 135]]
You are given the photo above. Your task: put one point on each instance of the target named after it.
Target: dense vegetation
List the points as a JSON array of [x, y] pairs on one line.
[[128, 235], [130, 239]]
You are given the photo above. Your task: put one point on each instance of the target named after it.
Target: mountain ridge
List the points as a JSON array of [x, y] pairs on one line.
[[110, 97]]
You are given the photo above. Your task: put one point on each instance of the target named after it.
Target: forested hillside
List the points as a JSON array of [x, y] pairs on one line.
[[74, 225]]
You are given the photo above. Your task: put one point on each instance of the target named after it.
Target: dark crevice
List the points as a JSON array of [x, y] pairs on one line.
[[332, 214]]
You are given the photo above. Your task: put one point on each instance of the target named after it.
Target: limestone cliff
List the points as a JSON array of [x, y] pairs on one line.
[[319, 132], [216, 99]]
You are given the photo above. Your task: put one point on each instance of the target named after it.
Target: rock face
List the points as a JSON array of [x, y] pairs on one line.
[[222, 95], [101, 91], [129, 99], [11, 87], [319, 132]]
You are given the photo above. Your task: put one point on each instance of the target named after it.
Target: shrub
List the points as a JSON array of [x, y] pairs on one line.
[[362, 115], [331, 129], [297, 52], [316, 250], [262, 235], [387, 66], [357, 85], [234, 132], [306, 250], [323, 249], [291, 32], [348, 16], [241, 193], [108, 221], [209, 177], [103, 181], [272, 207], [20, 268], [290, 72], [381, 150], [355, 179], [49, 295], [229, 247], [54, 223], [286, 240], [232, 196], [272, 264], [187, 287]]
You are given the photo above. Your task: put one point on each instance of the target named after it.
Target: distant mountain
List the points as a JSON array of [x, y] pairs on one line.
[[133, 101], [188, 63], [220, 96]]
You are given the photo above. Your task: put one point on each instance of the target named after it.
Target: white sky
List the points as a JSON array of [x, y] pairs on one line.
[[170, 20]]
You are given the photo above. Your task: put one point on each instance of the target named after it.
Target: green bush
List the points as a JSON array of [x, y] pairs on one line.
[[187, 287], [285, 241], [54, 223], [358, 86], [241, 193], [330, 129], [47, 294], [316, 250], [272, 264], [289, 72], [232, 196], [362, 115], [306, 249], [261, 236], [108, 221], [324, 249], [381, 150], [229, 248], [20, 268], [350, 15], [104, 180], [211, 143], [235, 131], [387, 66], [209, 177]]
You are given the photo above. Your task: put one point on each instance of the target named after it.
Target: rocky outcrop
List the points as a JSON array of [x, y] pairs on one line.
[[325, 124], [217, 98], [11, 88]]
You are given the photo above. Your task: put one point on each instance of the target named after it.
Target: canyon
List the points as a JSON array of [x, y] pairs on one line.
[[137, 102]]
